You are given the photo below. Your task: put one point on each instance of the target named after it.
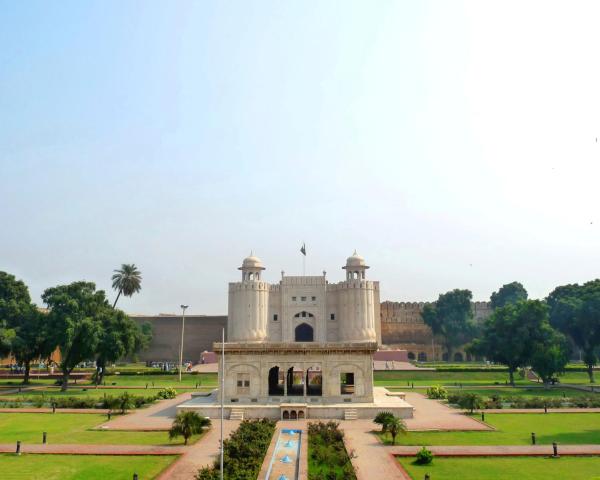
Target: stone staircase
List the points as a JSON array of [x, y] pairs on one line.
[[236, 414], [350, 414]]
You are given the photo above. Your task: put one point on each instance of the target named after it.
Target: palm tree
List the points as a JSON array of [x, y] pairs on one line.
[[382, 419], [127, 280], [395, 425], [187, 424]]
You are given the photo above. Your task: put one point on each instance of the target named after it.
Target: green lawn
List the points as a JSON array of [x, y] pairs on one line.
[[516, 429], [187, 380], [82, 467], [506, 468], [579, 378], [73, 428], [430, 377]]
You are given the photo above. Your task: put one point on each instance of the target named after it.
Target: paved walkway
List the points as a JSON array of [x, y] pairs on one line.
[[156, 417], [79, 449], [434, 415], [202, 453], [496, 450]]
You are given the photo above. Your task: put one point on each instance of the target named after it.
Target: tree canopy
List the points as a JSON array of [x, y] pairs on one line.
[[75, 318], [509, 293], [519, 335], [575, 311], [451, 318]]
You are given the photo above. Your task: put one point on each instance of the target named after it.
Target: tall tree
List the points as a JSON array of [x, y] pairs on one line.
[[32, 340], [22, 327], [120, 337], [451, 318], [509, 293], [549, 353], [575, 311], [75, 320], [126, 280], [509, 334]]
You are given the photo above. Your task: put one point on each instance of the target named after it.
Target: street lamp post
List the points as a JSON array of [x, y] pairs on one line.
[[183, 308]]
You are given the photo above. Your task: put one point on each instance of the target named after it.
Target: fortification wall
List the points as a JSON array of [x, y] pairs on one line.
[[200, 333]]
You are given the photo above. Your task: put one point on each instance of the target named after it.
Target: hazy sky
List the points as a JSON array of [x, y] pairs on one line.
[[453, 144]]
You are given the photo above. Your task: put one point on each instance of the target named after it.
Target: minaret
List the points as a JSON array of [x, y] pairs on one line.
[[357, 303], [248, 304]]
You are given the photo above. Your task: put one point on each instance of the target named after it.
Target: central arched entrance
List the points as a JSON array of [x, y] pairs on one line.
[[295, 382], [304, 333]]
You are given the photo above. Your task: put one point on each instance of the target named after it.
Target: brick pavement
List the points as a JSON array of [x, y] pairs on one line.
[[155, 417], [202, 453]]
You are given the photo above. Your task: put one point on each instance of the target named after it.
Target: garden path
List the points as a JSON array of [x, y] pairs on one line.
[[155, 417], [202, 453]]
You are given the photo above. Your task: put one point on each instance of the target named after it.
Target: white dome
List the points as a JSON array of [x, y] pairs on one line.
[[355, 260], [252, 262]]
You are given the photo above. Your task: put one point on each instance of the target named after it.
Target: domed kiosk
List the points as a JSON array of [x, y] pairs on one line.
[[301, 348]]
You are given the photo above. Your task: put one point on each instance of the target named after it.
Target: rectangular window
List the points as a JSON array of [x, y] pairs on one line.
[[332, 316], [314, 299], [275, 317], [303, 299], [246, 383], [293, 299], [243, 383]]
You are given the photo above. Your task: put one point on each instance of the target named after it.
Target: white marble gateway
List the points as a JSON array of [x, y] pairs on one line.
[[301, 348]]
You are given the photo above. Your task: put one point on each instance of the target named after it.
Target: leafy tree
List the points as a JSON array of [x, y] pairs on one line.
[[451, 318], [382, 419], [575, 311], [187, 424], [120, 337], [395, 425], [75, 321], [509, 293], [126, 280], [508, 334], [15, 302], [550, 353], [32, 340]]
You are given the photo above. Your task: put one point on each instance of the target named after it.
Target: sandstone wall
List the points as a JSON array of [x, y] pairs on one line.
[[200, 333]]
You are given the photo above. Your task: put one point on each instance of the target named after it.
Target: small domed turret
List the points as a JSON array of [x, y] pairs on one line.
[[355, 267], [251, 267]]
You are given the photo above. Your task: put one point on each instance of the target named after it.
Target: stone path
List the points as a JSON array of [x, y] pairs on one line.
[[155, 417], [202, 453], [79, 449], [434, 415], [496, 450]]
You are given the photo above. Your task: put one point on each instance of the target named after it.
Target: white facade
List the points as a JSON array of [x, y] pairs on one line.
[[304, 308]]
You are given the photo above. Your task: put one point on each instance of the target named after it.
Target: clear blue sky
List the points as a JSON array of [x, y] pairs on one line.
[[451, 143]]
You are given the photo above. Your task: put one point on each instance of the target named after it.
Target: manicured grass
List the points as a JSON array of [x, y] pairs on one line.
[[506, 468], [167, 380], [516, 429], [403, 378], [73, 428], [579, 378], [79, 467]]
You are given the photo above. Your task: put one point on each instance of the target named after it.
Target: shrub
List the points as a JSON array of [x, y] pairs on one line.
[[470, 401], [437, 392], [243, 451], [167, 393], [326, 452], [424, 457]]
